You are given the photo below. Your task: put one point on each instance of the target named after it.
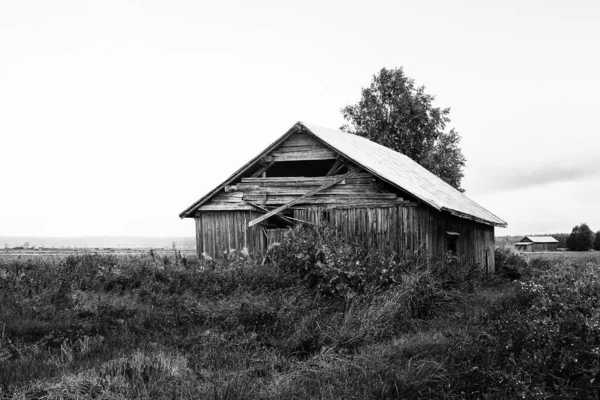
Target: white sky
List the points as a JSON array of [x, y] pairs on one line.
[[116, 115]]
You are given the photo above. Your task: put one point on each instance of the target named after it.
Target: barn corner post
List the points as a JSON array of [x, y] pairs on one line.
[[370, 193]]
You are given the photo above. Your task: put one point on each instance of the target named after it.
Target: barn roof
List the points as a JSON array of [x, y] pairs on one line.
[[391, 166], [539, 239]]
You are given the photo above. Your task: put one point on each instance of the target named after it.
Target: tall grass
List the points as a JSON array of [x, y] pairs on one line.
[[321, 319]]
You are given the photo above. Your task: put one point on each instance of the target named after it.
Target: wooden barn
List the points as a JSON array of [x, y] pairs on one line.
[[366, 191], [537, 243]]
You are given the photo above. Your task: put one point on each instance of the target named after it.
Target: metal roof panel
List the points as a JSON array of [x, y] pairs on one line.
[[403, 172]]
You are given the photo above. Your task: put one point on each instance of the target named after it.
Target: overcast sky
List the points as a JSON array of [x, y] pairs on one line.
[[116, 115]]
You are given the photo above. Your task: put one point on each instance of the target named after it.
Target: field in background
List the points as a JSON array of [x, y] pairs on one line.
[[567, 256], [63, 252], [150, 325]]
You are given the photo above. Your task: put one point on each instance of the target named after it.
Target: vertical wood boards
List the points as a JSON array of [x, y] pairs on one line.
[[403, 229], [199, 238]]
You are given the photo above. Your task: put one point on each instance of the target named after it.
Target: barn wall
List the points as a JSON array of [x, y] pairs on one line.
[[403, 229], [543, 247], [219, 232]]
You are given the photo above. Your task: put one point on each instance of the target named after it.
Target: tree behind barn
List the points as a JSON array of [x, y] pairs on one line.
[[395, 113], [596, 245], [581, 238]]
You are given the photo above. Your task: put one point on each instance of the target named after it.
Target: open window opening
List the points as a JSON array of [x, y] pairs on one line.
[[452, 242], [303, 168], [275, 222]]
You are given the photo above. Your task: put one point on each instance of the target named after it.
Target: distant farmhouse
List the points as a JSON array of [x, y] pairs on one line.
[[366, 191], [537, 243]]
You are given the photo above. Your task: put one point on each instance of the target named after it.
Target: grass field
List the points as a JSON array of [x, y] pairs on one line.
[[57, 252], [152, 326], [564, 256]]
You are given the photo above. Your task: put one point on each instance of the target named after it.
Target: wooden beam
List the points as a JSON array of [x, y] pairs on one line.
[[335, 167], [263, 169], [320, 179], [317, 198], [264, 199], [285, 218], [304, 155], [299, 199]]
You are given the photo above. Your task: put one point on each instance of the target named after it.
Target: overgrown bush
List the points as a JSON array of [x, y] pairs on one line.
[[332, 264], [153, 326], [508, 263], [550, 344], [337, 266], [541, 263]]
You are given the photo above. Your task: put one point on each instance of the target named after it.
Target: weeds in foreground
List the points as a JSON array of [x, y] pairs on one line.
[[356, 326]]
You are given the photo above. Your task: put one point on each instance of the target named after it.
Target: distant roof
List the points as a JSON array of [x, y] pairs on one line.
[[540, 239], [389, 165]]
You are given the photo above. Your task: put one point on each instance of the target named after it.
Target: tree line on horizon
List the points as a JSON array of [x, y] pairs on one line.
[[581, 238]]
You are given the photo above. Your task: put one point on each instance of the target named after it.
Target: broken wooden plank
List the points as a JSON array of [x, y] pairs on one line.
[[231, 197], [322, 179], [288, 196], [304, 156], [298, 149], [299, 199], [349, 182], [284, 217], [225, 207], [337, 165], [263, 169], [300, 190], [279, 201], [264, 199]]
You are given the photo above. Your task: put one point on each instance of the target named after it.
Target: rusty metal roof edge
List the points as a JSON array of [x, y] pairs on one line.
[[476, 219], [186, 213]]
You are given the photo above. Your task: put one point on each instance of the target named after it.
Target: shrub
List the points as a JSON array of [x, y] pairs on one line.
[[549, 344], [336, 266], [509, 264], [541, 263]]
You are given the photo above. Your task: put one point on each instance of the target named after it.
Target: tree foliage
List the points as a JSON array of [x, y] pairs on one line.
[[596, 245], [395, 113], [581, 238]]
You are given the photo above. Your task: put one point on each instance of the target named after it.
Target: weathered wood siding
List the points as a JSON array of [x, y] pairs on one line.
[[302, 146], [220, 232], [404, 229], [361, 207], [539, 247]]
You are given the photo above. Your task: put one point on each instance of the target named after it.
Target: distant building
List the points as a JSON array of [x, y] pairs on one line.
[[537, 243]]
